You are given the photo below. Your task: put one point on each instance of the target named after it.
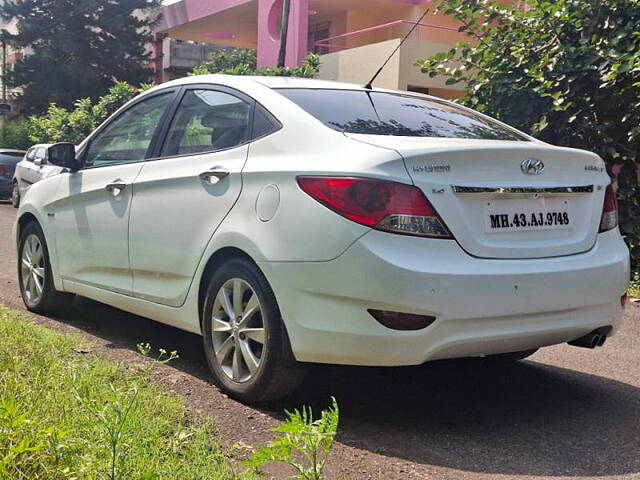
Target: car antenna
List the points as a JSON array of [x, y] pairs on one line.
[[368, 84]]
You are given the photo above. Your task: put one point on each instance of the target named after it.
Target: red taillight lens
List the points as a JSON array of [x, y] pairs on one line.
[[1, 169], [390, 206], [609, 218]]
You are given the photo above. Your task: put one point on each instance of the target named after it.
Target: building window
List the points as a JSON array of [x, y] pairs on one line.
[[317, 33]]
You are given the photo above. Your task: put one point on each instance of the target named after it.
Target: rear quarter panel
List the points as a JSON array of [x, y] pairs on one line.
[[274, 220]]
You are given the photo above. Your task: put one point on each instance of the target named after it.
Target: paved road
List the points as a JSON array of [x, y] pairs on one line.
[[570, 412]]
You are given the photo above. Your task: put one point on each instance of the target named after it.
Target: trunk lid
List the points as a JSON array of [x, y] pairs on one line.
[[504, 199]]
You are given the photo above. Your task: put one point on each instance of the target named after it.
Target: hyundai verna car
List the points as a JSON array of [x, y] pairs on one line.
[[293, 221]]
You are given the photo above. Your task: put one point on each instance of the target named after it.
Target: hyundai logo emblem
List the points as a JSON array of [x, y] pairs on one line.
[[532, 166]]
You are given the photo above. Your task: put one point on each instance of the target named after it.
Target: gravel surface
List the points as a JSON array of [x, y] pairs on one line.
[[567, 413]]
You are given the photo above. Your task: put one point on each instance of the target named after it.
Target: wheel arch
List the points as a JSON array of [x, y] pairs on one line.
[[29, 216], [218, 258], [23, 221]]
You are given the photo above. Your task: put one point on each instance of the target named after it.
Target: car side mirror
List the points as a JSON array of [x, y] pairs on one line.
[[37, 161], [63, 155]]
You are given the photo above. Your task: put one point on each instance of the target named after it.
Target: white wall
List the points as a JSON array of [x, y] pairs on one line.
[[357, 65]]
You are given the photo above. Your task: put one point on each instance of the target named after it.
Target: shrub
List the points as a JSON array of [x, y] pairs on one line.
[[301, 442], [243, 61], [14, 133], [565, 71], [62, 125]]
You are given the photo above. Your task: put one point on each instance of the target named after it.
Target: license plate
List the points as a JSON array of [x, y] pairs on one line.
[[520, 215]]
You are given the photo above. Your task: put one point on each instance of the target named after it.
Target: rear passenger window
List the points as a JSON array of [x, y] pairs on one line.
[[206, 121]]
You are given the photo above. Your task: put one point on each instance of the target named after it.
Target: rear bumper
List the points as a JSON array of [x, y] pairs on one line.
[[482, 306]]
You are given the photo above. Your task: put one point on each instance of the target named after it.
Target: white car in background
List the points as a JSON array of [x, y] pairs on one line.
[[292, 221], [31, 169]]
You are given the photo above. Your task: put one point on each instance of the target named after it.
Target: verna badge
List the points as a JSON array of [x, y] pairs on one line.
[[532, 166]]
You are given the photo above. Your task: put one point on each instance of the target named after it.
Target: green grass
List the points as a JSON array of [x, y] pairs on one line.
[[68, 415], [634, 289]]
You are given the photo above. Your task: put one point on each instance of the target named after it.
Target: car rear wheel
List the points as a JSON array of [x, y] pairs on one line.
[[15, 195], [34, 274], [246, 344]]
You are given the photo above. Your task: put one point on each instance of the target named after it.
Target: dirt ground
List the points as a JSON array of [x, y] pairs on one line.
[[567, 413]]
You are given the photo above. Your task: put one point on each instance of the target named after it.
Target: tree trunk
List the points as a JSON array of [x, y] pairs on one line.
[[284, 28]]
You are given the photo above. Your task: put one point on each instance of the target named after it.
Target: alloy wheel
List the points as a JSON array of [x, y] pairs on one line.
[[238, 330], [32, 269], [15, 194]]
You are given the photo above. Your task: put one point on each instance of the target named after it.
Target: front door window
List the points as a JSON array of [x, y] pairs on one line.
[[128, 137]]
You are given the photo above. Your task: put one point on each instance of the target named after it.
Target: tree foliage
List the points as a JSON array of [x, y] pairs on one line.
[[77, 49], [14, 133], [243, 61], [62, 125], [567, 71]]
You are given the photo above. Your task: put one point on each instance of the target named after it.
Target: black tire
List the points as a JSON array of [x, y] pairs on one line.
[[513, 356], [278, 374], [51, 301], [15, 195]]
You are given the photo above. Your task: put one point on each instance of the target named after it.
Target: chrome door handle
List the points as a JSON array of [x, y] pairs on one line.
[[214, 175], [116, 187]]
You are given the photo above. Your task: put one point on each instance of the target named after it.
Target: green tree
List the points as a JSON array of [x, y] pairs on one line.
[[243, 61], [74, 125], [14, 133], [567, 71], [76, 49]]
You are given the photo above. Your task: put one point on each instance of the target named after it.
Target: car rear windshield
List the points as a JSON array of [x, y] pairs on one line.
[[380, 113], [12, 156]]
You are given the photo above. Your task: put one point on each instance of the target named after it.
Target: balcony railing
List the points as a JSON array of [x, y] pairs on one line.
[[380, 33]]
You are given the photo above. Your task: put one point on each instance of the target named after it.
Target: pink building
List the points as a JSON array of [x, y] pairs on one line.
[[352, 36]]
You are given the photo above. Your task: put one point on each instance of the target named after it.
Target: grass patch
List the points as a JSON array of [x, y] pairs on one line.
[[65, 415], [634, 289]]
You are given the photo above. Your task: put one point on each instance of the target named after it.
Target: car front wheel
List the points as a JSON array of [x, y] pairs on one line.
[[34, 274], [15, 195], [245, 341]]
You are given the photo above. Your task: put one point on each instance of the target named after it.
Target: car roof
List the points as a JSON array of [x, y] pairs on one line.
[[275, 82], [293, 82], [11, 150], [267, 81]]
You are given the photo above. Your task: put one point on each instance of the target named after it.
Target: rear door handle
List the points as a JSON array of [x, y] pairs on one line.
[[214, 175], [116, 187]]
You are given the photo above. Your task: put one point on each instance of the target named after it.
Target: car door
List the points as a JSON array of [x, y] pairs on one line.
[[92, 215], [183, 195], [39, 165], [26, 170]]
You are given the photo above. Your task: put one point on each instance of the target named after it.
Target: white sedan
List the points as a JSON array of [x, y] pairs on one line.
[[291, 221], [34, 167]]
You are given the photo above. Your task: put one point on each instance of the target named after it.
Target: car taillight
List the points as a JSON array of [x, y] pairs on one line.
[[1, 169], [609, 218], [380, 204]]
